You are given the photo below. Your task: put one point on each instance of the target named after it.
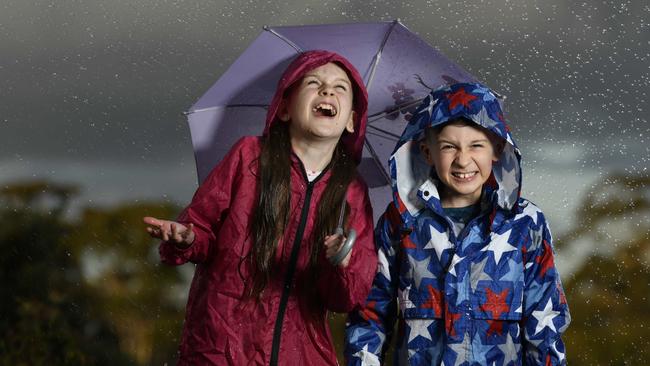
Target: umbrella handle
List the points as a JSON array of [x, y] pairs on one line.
[[337, 258]]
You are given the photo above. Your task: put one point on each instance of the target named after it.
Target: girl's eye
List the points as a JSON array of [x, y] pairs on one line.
[[310, 82], [341, 87]]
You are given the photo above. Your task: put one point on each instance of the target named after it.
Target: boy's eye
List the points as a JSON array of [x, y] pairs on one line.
[[447, 147]]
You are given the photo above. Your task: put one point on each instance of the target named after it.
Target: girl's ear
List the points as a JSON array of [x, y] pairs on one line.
[[283, 111], [350, 125]]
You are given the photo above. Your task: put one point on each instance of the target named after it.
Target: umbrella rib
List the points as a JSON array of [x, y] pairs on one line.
[[379, 115], [375, 60], [375, 158], [272, 31], [226, 106], [384, 132]]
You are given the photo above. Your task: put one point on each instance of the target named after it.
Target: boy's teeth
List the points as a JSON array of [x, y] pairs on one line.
[[464, 175]]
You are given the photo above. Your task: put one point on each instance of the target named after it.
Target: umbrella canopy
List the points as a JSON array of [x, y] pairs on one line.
[[396, 65]]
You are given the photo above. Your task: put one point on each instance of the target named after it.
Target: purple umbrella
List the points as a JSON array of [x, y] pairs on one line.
[[395, 64]]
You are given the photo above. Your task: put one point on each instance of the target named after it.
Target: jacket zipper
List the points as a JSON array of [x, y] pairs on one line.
[[277, 332]]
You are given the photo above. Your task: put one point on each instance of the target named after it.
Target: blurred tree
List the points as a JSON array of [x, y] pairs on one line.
[[47, 315], [609, 291], [88, 292], [120, 262], [93, 291]]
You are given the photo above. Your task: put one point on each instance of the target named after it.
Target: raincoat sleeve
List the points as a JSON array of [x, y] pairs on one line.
[[210, 201], [344, 289], [546, 313], [369, 330]]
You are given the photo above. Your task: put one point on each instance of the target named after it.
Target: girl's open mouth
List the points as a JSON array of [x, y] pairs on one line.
[[324, 110]]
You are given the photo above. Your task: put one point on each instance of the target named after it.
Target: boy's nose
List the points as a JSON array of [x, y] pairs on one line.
[[462, 159]]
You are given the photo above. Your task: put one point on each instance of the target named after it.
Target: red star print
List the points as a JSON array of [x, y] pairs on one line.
[[545, 260], [460, 97], [408, 243], [435, 299], [369, 311], [450, 320], [496, 303], [496, 327]]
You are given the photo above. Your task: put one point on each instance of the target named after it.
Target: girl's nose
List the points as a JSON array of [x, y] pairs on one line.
[[327, 90]]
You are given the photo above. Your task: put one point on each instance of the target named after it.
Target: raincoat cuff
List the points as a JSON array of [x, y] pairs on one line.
[[171, 253]]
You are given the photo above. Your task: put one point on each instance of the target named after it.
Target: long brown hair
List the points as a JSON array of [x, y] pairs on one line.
[[272, 213]]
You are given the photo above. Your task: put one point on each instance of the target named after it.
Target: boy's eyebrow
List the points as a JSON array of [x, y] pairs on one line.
[[442, 140]]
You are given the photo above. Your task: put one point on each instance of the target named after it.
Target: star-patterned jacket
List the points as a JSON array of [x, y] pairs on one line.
[[490, 295]]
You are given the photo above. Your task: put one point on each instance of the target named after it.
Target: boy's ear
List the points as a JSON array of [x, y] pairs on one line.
[[283, 111], [498, 147], [350, 124], [425, 149]]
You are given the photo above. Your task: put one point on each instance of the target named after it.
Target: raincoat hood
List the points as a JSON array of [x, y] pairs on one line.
[[308, 61], [411, 174]]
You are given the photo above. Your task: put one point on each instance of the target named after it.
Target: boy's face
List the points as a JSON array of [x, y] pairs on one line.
[[462, 156], [320, 105]]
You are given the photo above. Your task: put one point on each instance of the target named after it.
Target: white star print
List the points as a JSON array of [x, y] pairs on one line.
[[419, 327], [509, 350], [499, 245], [461, 349], [545, 317], [420, 269], [454, 261], [531, 211], [367, 358], [439, 242]]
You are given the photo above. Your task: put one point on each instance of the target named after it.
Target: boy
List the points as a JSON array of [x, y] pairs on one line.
[[465, 259]]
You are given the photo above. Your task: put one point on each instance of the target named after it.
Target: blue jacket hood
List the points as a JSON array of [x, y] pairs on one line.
[[409, 171]]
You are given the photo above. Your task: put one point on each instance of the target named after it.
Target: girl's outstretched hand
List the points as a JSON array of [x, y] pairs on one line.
[[333, 244], [166, 230]]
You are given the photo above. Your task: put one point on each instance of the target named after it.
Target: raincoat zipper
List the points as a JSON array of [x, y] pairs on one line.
[[277, 331]]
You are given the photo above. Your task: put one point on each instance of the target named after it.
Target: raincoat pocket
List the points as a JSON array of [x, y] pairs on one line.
[[498, 300]]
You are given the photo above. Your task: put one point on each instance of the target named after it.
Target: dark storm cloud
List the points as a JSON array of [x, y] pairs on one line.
[[103, 84]]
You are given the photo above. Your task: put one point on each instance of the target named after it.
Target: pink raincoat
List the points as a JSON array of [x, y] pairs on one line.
[[222, 326]]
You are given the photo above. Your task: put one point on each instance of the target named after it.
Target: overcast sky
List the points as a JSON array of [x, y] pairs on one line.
[[91, 92]]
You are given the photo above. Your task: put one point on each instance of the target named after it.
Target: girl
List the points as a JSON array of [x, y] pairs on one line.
[[259, 228]]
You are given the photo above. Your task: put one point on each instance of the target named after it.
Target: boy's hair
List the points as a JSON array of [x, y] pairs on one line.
[[431, 133]]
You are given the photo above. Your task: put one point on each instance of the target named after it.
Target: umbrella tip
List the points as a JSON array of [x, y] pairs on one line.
[[265, 27]]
